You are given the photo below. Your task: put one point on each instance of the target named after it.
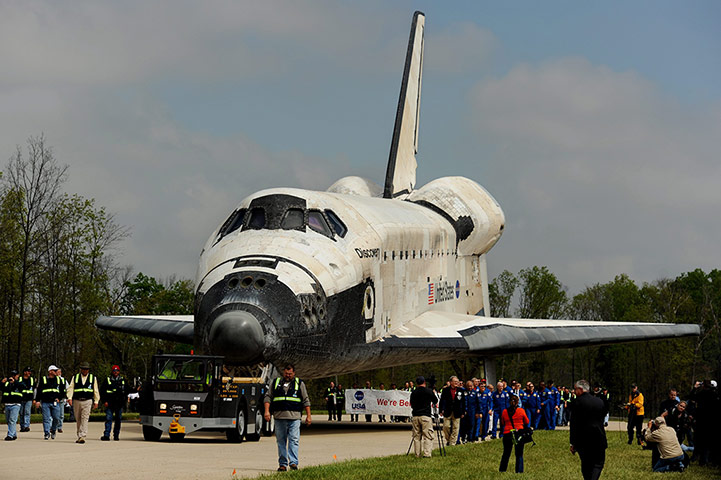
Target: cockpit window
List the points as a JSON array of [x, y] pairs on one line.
[[236, 221], [336, 223], [317, 223], [256, 220], [293, 219]]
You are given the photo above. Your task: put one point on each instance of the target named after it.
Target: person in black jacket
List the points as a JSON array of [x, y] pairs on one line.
[[453, 408], [329, 396], [422, 399], [12, 395], [113, 396], [588, 437]]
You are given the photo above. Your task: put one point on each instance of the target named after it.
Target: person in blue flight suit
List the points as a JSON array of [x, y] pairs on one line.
[[556, 396], [508, 387], [532, 405], [546, 405], [500, 403], [468, 422], [485, 402]]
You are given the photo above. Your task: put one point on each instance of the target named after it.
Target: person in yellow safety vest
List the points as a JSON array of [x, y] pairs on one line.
[[329, 396], [26, 405], [83, 396], [286, 398], [114, 394], [168, 373], [50, 393], [12, 395], [635, 414]]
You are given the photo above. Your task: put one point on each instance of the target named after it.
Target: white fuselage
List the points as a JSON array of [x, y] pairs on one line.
[[397, 260]]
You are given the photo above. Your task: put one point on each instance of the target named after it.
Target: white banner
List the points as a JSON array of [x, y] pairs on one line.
[[379, 402]]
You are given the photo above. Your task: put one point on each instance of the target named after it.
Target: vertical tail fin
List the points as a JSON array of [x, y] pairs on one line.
[[401, 171]]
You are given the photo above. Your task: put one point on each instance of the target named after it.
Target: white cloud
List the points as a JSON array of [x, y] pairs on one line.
[[601, 171]]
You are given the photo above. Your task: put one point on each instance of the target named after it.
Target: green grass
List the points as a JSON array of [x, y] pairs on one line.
[[550, 458]]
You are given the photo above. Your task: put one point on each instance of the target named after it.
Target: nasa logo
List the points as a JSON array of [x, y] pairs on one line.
[[358, 395], [458, 288]]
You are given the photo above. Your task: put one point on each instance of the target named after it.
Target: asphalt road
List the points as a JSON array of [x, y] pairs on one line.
[[201, 455]]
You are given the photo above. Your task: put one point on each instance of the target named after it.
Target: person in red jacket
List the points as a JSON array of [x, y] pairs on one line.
[[512, 419]]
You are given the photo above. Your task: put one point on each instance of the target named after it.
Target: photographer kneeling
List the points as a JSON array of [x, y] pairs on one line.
[[513, 419], [668, 446]]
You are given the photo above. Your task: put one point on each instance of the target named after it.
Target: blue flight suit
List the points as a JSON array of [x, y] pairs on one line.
[[532, 404], [500, 403], [547, 408], [485, 402], [472, 408]]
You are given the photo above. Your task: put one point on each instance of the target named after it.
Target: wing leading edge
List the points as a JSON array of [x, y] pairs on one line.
[[487, 335], [177, 328]]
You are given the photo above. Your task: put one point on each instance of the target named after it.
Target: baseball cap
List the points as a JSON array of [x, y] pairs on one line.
[[52, 368], [84, 366], [13, 373], [713, 383], [115, 367], [28, 369]]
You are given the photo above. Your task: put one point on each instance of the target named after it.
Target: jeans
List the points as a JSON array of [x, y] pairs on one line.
[[287, 434], [664, 464], [26, 407], [52, 413], [11, 414], [111, 412], [559, 415]]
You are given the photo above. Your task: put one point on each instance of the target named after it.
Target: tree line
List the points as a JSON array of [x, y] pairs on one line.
[[59, 270]]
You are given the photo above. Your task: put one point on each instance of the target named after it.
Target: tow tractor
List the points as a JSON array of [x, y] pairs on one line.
[[198, 392]]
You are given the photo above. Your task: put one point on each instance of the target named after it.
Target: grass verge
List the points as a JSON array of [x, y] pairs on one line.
[[550, 458]]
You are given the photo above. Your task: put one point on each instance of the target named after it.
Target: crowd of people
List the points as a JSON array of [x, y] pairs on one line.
[[683, 429], [471, 411], [482, 405], [51, 393]]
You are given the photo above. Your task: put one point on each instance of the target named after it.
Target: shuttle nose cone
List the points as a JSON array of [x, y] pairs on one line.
[[238, 336]]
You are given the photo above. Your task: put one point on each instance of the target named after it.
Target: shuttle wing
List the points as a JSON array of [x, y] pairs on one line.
[[401, 171], [487, 335], [178, 328]]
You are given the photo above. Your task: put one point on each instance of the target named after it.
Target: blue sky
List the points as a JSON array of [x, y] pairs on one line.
[[594, 124]]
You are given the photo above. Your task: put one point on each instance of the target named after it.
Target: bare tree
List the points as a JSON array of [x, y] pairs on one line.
[[37, 178]]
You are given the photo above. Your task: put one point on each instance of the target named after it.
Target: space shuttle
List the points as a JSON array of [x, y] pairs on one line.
[[360, 277]]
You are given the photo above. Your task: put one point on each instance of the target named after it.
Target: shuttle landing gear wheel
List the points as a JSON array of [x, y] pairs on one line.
[[237, 434]]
